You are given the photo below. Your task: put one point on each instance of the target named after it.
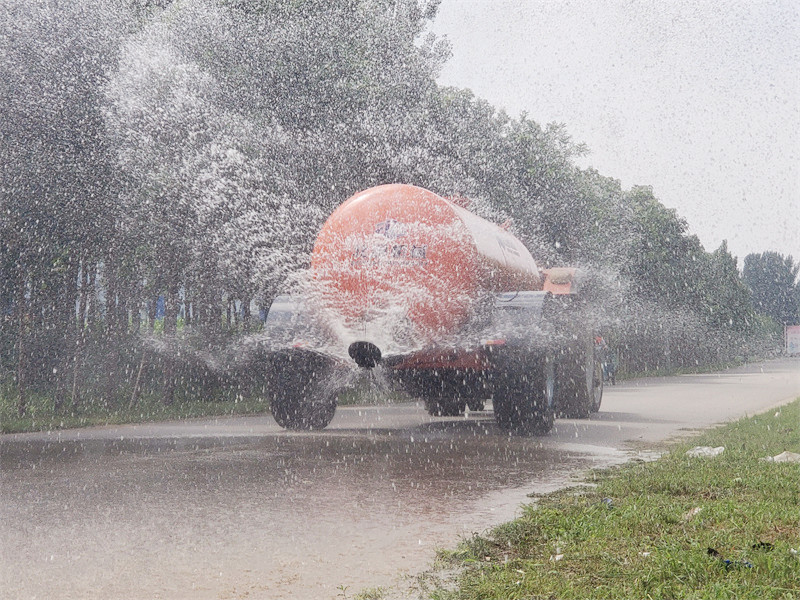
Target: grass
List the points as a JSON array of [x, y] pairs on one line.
[[377, 593], [625, 375], [662, 529], [40, 416]]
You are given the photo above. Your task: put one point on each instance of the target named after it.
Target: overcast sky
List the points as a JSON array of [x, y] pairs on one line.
[[697, 99]]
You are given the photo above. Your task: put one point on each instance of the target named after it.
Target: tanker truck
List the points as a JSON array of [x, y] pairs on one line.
[[447, 306]]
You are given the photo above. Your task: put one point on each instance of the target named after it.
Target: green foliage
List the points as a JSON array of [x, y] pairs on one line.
[[40, 415], [190, 151], [663, 254], [772, 279], [552, 212], [377, 593], [608, 241], [726, 296]]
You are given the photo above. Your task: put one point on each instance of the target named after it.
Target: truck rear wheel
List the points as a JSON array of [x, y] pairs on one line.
[[523, 403], [303, 413], [301, 389], [579, 382]]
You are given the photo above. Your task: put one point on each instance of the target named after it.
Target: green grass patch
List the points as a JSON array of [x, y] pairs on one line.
[[41, 417], [625, 375], [679, 527], [377, 593]]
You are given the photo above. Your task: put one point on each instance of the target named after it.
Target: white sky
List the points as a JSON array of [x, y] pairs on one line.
[[698, 99]]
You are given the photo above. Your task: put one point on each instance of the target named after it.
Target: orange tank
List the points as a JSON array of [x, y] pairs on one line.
[[406, 258]]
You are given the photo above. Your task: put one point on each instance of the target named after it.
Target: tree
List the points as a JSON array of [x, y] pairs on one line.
[[56, 176], [181, 156], [727, 299], [772, 280], [610, 237], [662, 257], [241, 128], [549, 205]]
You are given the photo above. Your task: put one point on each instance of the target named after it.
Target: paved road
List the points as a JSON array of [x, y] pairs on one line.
[[236, 507]]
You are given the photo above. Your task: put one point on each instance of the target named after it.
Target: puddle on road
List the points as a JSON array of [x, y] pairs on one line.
[[278, 516]]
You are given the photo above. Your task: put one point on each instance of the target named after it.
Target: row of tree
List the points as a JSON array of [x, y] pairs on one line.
[[164, 167]]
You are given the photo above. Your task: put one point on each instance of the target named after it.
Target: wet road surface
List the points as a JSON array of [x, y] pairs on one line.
[[238, 508]]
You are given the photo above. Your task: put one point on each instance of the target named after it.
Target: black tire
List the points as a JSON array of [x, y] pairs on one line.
[[523, 401], [579, 381], [441, 407], [303, 413], [300, 384]]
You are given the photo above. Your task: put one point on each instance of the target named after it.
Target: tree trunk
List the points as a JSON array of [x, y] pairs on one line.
[[91, 295], [170, 326], [83, 324], [138, 380], [152, 306], [112, 298], [121, 319], [82, 297], [114, 331], [68, 324], [21, 346], [246, 313], [187, 311], [76, 365], [136, 313]]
